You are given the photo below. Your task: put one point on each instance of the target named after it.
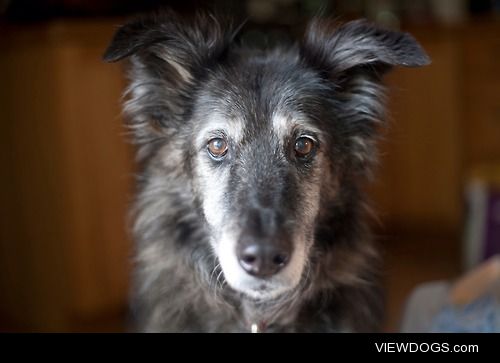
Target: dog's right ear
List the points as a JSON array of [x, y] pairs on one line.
[[168, 57], [186, 47], [132, 37]]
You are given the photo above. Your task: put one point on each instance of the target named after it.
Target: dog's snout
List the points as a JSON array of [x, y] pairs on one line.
[[264, 247], [263, 259]]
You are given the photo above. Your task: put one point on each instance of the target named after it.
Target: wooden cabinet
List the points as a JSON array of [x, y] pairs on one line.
[[66, 178], [481, 107], [443, 120], [419, 175]]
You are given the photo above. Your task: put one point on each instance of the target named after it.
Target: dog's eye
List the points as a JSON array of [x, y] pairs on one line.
[[217, 148], [303, 147]]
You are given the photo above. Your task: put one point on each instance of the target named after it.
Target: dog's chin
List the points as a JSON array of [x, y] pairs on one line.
[[262, 291], [255, 288]]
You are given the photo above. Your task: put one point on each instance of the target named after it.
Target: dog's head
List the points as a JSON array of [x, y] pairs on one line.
[[270, 137]]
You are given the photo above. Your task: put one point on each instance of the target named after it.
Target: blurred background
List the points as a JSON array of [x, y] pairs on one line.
[[67, 170]]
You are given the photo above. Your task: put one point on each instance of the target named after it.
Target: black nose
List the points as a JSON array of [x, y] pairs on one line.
[[263, 259]]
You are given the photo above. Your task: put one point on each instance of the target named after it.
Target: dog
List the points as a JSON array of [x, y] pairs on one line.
[[250, 214]]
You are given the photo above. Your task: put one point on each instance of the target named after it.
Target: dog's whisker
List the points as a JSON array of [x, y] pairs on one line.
[[213, 272], [219, 284], [219, 275], [212, 281]]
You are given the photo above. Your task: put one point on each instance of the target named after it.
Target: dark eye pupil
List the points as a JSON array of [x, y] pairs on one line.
[[218, 144], [303, 146], [217, 147]]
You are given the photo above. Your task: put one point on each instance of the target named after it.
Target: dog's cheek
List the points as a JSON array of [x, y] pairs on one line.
[[311, 193], [211, 186], [308, 206]]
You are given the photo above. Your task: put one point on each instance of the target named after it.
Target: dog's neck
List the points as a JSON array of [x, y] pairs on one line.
[[258, 317]]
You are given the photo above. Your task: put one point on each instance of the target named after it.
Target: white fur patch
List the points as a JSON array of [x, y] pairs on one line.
[[284, 125], [214, 188]]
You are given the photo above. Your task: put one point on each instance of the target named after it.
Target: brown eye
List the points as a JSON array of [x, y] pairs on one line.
[[217, 147], [303, 147]]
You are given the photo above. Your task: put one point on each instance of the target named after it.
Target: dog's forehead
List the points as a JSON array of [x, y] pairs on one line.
[[259, 95]]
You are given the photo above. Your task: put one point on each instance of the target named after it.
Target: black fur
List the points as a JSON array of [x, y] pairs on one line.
[[181, 72]]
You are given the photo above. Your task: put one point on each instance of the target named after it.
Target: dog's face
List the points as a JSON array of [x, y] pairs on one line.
[[259, 160], [269, 137]]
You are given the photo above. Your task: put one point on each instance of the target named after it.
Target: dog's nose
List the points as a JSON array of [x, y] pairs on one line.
[[263, 260]]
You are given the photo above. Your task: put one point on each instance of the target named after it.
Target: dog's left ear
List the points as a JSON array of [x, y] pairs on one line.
[[357, 44], [354, 57]]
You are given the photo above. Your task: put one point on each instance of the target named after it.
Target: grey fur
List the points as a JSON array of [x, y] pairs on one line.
[[186, 77]]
